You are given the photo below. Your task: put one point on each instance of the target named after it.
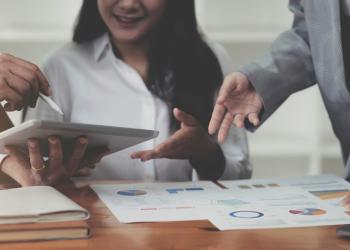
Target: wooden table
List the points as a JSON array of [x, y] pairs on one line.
[[108, 233]]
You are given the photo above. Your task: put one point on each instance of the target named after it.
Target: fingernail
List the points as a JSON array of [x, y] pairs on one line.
[[31, 144], [83, 140], [52, 140]]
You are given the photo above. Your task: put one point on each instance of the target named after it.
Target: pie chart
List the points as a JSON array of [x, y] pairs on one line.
[[308, 211], [132, 192]]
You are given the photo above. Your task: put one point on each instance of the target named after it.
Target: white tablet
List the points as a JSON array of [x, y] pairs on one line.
[[115, 138]]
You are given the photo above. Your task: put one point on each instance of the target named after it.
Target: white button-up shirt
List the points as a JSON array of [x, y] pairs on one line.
[[91, 85]]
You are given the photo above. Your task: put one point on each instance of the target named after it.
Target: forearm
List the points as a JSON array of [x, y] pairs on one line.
[[287, 68], [210, 166]]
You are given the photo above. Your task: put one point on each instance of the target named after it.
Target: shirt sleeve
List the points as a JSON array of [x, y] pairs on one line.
[[235, 148]]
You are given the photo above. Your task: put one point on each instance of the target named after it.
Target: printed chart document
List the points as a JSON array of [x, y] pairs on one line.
[[289, 207], [155, 202], [328, 188]]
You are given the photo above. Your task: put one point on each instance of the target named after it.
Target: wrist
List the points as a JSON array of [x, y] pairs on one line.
[[209, 166]]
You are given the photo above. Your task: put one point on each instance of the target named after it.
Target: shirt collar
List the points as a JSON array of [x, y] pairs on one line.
[[101, 45]]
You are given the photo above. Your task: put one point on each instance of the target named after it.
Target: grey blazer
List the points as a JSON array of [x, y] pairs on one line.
[[307, 54]]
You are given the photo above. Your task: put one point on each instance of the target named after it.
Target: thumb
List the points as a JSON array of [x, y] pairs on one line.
[[13, 151], [184, 118], [233, 82]]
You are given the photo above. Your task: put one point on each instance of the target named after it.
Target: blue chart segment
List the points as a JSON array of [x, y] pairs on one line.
[[132, 192], [176, 190], [194, 189], [246, 214]]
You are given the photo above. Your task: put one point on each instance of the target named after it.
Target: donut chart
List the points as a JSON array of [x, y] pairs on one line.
[[246, 214]]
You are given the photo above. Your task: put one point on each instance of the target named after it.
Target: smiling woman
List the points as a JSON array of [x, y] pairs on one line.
[[144, 64]]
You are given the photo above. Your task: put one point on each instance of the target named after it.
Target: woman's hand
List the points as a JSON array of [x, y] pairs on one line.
[[189, 142], [20, 82], [30, 169]]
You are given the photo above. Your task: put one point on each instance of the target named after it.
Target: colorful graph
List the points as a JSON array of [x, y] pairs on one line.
[[132, 192], [246, 214], [273, 185], [257, 185], [165, 208], [232, 202], [330, 194], [308, 211], [176, 190]]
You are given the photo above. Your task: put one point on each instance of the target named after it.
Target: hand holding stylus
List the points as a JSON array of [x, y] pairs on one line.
[[20, 83]]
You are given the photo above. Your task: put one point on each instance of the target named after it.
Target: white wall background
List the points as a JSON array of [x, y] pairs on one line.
[[296, 140]]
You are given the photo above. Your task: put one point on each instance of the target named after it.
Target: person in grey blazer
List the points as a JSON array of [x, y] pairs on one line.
[[314, 51]]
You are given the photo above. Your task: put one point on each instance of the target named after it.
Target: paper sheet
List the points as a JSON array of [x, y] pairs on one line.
[[328, 188], [287, 207], [258, 217], [154, 202], [247, 204]]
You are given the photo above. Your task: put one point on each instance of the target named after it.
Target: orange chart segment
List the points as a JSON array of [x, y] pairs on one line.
[[308, 211]]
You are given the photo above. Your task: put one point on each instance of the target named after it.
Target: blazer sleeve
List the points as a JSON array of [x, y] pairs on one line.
[[288, 66]]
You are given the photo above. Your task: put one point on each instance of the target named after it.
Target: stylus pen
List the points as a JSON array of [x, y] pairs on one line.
[[51, 103]]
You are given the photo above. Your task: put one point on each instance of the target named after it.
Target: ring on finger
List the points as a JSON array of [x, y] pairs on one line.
[[39, 168]]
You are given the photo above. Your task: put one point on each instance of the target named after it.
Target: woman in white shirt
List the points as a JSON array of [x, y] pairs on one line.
[[142, 64]]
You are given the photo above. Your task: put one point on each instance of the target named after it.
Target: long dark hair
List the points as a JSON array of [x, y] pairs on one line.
[[184, 71]]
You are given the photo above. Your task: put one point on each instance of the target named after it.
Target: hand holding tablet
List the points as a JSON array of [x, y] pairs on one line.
[[73, 149], [114, 138]]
